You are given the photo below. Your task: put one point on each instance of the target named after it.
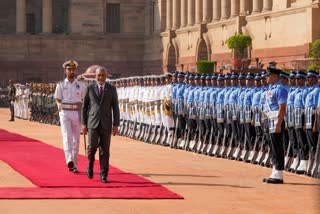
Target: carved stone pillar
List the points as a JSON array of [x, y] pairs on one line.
[[184, 12], [169, 14], [225, 7], [198, 11], [47, 16], [191, 12], [21, 16], [267, 5], [216, 7], [257, 6], [235, 8], [176, 14]]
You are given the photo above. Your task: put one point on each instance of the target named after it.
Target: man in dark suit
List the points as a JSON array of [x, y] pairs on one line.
[[100, 118]]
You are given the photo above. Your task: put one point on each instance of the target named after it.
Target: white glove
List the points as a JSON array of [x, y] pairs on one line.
[[11, 102]]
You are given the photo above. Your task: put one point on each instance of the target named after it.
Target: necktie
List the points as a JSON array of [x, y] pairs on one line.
[[100, 91]]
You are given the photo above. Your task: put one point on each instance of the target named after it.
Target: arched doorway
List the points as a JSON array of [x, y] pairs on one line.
[[172, 59], [203, 51]]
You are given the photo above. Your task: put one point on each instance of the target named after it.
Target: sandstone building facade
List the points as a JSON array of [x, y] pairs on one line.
[[137, 37]]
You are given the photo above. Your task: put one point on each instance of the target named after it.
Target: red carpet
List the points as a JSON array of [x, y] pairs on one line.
[[45, 167]]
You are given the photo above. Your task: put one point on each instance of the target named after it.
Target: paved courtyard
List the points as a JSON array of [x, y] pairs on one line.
[[209, 185]]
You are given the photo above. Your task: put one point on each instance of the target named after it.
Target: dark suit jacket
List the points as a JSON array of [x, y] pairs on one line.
[[104, 110]]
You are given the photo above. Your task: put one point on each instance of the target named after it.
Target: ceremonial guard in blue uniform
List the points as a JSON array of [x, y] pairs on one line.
[[249, 129], [233, 106], [276, 100], [299, 120], [180, 127], [256, 120], [220, 109], [292, 151], [310, 107]]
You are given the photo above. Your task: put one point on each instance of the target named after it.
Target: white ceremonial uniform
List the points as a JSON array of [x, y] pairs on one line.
[[70, 93], [168, 118]]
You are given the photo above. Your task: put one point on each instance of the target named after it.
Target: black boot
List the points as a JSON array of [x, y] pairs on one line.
[[12, 118]]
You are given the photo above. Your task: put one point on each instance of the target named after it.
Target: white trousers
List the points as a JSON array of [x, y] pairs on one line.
[[70, 128]]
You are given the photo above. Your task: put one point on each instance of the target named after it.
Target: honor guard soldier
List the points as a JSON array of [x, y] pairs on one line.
[[256, 119], [233, 106], [181, 120], [69, 95], [276, 100], [249, 128], [299, 120], [292, 151], [11, 98], [310, 107]]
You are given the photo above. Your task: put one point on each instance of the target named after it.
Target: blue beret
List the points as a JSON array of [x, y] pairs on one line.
[[191, 77], [214, 77], [227, 76], [263, 74], [197, 77], [250, 76], [292, 74], [301, 74], [271, 70], [203, 77], [312, 73], [181, 74], [242, 76], [220, 77], [284, 75], [234, 75], [208, 77], [257, 77]]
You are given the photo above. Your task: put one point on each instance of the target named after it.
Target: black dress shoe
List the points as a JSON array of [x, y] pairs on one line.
[[70, 165], [90, 173], [104, 179], [274, 181], [75, 170]]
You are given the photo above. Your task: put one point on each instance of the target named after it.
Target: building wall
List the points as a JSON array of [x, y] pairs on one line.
[[145, 46], [282, 34]]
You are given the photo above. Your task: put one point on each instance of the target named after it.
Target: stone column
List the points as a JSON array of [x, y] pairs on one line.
[[207, 10], [216, 9], [21, 16], [267, 5], [235, 8], [243, 7], [46, 16], [257, 6], [198, 11], [176, 14], [169, 14], [184, 10], [191, 12], [225, 8]]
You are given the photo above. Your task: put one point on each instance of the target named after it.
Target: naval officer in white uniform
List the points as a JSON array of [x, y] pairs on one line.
[[69, 95]]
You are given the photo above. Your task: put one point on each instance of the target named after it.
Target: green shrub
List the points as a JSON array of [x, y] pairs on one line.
[[205, 66], [313, 67], [239, 42], [315, 49]]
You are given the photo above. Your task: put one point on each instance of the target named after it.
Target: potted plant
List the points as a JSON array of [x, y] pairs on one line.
[[239, 43], [315, 49]]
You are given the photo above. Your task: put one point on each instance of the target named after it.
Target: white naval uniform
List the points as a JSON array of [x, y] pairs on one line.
[[70, 93]]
